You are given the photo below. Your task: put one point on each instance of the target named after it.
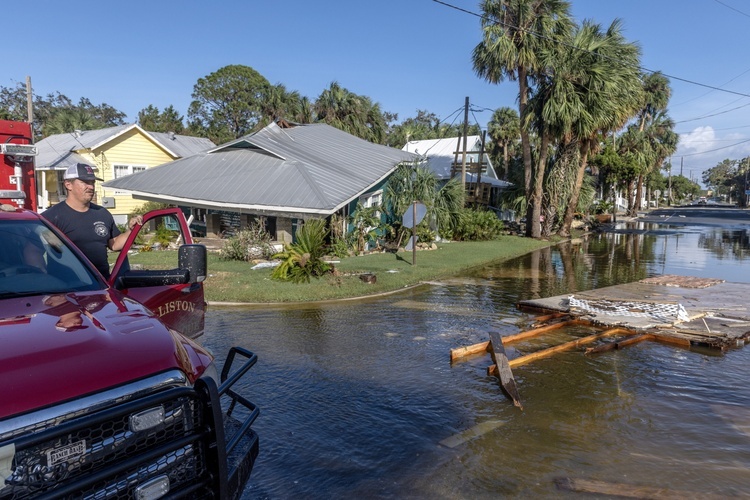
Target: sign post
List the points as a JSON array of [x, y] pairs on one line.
[[411, 218]]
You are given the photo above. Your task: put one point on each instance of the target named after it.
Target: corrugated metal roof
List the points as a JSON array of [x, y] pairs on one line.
[[440, 153], [182, 145], [310, 169], [55, 151]]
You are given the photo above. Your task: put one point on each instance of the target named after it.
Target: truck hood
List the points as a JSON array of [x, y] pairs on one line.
[[60, 347]]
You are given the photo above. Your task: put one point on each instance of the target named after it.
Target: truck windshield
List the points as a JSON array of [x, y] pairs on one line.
[[34, 261]]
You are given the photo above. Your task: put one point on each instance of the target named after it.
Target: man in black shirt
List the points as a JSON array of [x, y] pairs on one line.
[[90, 226]]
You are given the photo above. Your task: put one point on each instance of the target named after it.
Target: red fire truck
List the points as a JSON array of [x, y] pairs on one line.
[[103, 391], [17, 152]]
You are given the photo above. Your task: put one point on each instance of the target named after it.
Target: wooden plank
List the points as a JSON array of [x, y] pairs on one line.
[[471, 433], [483, 347], [634, 339], [543, 329], [507, 381], [628, 490], [548, 317], [543, 353], [462, 352]]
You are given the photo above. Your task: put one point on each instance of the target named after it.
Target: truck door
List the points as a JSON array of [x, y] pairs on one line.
[[180, 306]]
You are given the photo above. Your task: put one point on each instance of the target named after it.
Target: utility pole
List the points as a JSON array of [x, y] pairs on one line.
[[466, 133], [29, 105]]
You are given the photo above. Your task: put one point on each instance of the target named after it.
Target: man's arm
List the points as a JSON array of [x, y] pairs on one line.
[[115, 244]]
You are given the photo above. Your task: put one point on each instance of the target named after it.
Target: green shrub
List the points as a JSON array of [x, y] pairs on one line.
[[304, 259], [248, 244], [477, 225], [163, 236], [602, 207]]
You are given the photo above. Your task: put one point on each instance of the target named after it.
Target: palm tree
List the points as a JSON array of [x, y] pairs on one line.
[[352, 113], [279, 104], [411, 183], [656, 94], [592, 91], [514, 32], [71, 119], [505, 130]]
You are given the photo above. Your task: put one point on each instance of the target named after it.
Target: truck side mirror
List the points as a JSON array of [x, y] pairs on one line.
[[194, 258]]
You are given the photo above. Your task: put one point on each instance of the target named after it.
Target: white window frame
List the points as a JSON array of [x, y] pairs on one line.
[[374, 198], [129, 169]]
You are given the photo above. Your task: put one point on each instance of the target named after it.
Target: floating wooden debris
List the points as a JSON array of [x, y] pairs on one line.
[[639, 311], [681, 310], [681, 281], [471, 433], [562, 347], [484, 347], [628, 490], [502, 368]]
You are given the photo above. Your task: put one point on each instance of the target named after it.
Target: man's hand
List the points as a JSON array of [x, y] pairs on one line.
[[135, 220]]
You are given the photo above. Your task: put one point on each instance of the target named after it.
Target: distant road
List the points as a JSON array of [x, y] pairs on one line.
[[704, 215]]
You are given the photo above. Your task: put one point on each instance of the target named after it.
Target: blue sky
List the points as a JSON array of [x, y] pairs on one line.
[[404, 54]]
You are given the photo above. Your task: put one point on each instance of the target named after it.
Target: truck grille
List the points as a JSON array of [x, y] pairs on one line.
[[111, 452]]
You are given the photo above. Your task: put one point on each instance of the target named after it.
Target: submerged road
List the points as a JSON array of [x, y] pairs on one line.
[[704, 215]]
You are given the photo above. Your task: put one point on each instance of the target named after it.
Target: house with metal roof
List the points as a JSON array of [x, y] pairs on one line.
[[445, 157], [284, 173], [113, 152]]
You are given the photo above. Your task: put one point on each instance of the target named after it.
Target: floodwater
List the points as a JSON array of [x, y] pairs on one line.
[[359, 399]]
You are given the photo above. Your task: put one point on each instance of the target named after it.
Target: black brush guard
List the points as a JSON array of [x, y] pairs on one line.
[[205, 452]]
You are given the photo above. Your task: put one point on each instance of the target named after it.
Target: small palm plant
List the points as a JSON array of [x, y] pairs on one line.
[[366, 224], [304, 259]]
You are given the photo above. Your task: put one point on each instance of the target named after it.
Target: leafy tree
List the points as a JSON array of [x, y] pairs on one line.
[[514, 34], [13, 102], [153, 120], [227, 104], [56, 113], [683, 188]]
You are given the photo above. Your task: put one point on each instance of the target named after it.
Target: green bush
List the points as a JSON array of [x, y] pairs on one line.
[[304, 259], [477, 225], [248, 244], [163, 236]]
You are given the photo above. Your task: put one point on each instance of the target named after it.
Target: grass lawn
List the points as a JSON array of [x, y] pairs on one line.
[[234, 281]]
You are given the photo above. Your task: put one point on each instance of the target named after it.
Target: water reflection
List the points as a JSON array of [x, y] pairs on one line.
[[357, 397]]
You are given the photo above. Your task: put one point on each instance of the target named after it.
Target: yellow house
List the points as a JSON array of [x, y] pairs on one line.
[[114, 152]]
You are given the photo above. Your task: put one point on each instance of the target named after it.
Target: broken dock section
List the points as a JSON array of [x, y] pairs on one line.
[[679, 310]]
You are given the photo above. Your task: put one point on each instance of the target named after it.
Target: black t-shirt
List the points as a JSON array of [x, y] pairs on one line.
[[89, 230]]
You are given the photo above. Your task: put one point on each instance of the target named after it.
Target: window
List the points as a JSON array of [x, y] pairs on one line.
[[374, 199], [123, 170]]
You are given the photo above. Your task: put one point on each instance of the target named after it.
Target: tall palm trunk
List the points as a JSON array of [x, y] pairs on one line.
[[536, 198], [639, 193], [523, 102], [570, 210]]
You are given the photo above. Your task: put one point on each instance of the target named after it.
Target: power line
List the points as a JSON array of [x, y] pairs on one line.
[[642, 68], [714, 114], [718, 149], [732, 8]]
